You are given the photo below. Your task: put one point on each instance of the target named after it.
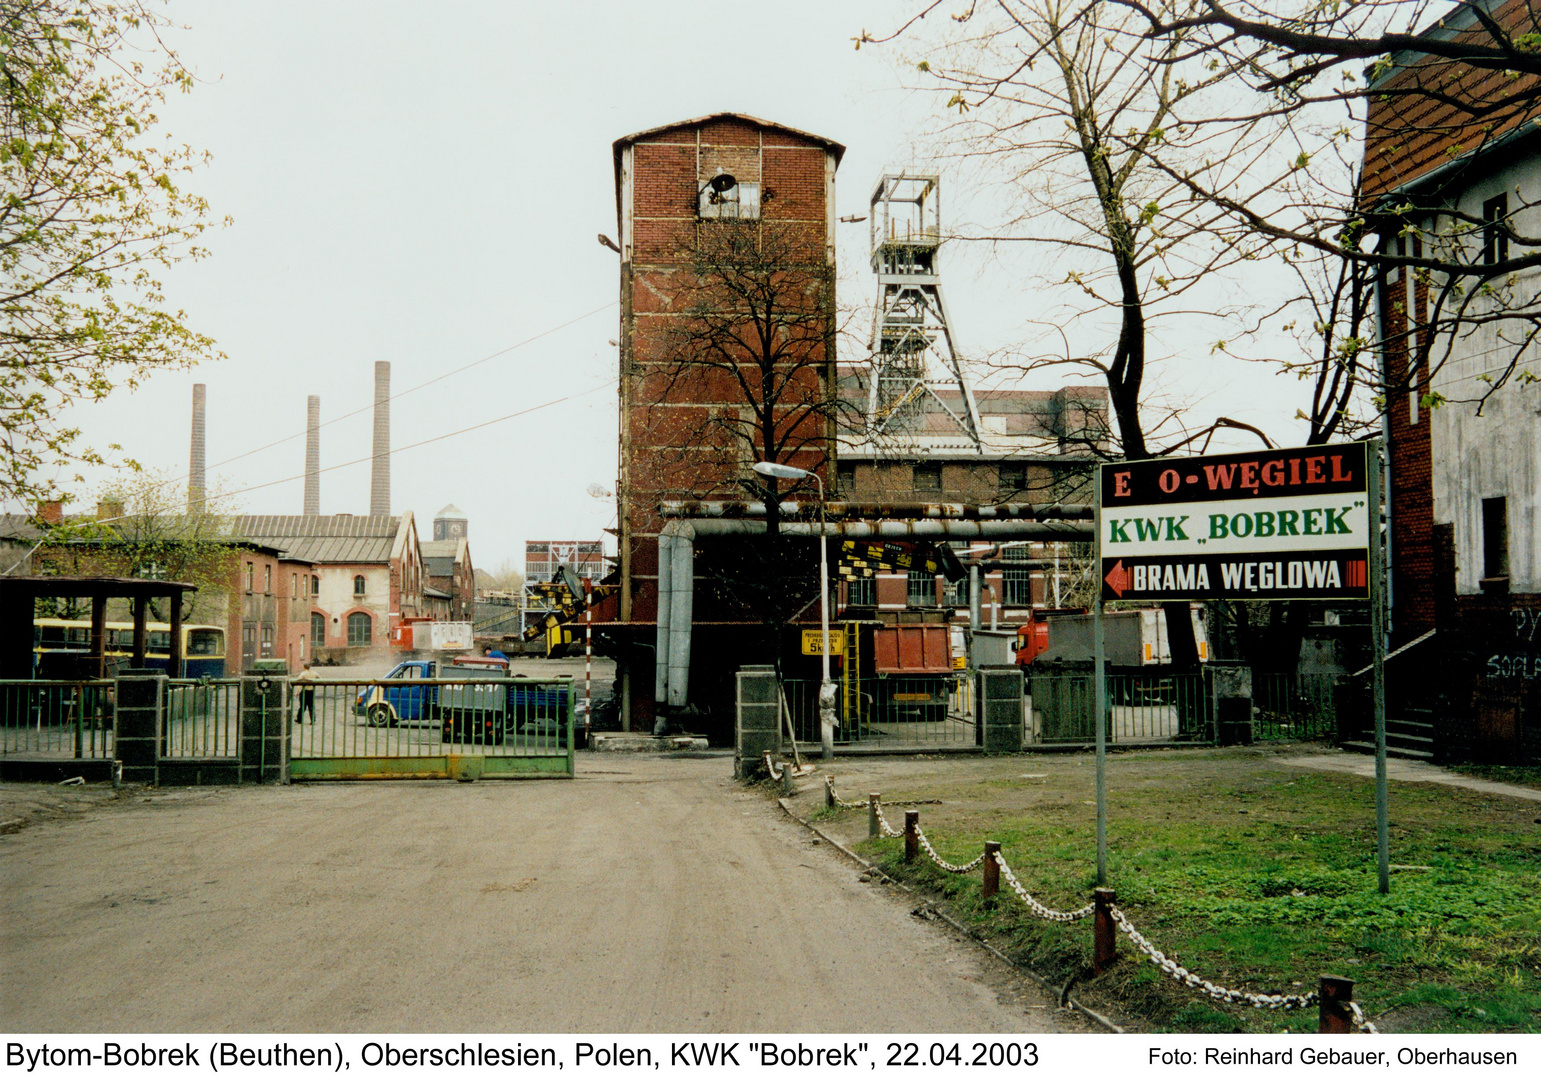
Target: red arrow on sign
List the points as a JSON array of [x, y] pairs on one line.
[[1118, 578]]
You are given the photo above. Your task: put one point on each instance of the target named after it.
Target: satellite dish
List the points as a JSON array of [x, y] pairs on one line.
[[724, 182]]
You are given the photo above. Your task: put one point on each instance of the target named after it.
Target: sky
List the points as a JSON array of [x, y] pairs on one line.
[[424, 185]]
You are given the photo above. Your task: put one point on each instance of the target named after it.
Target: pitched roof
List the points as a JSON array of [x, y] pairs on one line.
[[323, 538]]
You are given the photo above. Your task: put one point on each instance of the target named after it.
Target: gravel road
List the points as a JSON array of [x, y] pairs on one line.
[[650, 895]]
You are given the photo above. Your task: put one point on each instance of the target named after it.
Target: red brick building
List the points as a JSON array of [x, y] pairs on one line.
[[681, 189], [1463, 429]]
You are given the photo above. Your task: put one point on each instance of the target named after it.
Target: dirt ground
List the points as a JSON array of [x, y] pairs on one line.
[[652, 894]]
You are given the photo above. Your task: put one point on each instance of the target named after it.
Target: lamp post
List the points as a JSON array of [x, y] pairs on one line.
[[826, 688]]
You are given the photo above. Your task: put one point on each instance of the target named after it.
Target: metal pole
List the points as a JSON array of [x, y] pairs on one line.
[[826, 688], [1378, 661], [588, 649], [1100, 701]]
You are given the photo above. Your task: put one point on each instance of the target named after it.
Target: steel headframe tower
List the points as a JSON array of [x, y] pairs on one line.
[[917, 385]]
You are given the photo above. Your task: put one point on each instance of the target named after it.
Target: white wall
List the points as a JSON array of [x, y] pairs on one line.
[[336, 598]]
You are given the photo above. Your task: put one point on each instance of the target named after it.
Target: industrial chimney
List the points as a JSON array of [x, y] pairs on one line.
[[195, 484], [380, 471], [312, 456]]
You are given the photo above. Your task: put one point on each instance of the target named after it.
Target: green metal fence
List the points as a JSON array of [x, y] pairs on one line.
[[895, 712], [1141, 709], [1293, 706], [202, 719], [56, 719], [428, 727]]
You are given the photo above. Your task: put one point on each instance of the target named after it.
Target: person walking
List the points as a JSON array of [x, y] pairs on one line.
[[307, 695]]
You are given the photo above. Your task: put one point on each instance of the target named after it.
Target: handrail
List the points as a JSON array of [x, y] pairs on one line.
[[1420, 639]]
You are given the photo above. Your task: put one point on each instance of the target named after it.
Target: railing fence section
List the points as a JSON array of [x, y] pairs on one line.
[[56, 719]]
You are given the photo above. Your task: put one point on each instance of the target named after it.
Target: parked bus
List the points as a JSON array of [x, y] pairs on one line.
[[58, 643]]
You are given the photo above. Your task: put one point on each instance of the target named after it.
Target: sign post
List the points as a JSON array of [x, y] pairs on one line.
[[1100, 703], [1301, 524]]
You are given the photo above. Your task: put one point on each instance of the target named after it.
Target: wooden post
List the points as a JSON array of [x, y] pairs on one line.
[[98, 637], [992, 871], [174, 665], [1334, 1017], [911, 835], [1104, 931], [873, 830], [139, 631]]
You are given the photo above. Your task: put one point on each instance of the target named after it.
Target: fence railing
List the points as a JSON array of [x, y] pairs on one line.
[[1162, 708], [1293, 706], [56, 719], [890, 712], [202, 719], [429, 717]]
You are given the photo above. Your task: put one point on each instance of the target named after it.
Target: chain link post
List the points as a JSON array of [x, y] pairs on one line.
[[1104, 931], [1334, 1017], [873, 829], [911, 835], [992, 871]]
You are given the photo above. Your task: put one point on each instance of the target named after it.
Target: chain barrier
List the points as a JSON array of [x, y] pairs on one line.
[[1037, 908], [951, 868], [1219, 993], [1141, 942], [1360, 1021], [829, 786]]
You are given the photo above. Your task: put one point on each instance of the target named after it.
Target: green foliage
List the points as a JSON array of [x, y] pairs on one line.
[[92, 209]]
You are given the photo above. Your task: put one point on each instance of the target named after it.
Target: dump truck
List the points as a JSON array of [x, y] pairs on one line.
[[468, 711], [914, 672]]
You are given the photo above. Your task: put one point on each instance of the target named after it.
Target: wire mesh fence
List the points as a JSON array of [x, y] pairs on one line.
[[202, 719], [1290, 705], [1141, 708], [56, 719]]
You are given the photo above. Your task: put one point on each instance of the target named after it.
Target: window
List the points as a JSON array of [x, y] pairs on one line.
[[1495, 538], [358, 585], [723, 197], [205, 643], [928, 478], [1016, 582], [1012, 478], [267, 580], [955, 593], [1495, 229], [922, 589], [267, 642], [294, 586], [318, 629], [863, 592], [250, 570], [315, 586], [360, 628], [845, 479]]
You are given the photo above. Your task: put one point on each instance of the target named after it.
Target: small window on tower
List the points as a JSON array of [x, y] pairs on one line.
[[725, 196], [1012, 478], [845, 479], [1495, 230]]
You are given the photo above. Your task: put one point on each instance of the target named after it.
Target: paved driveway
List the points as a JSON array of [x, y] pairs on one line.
[[650, 895]]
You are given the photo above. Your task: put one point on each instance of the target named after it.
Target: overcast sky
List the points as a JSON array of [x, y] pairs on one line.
[[423, 184]]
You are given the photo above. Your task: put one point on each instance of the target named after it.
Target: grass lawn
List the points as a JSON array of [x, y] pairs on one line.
[[1254, 874]]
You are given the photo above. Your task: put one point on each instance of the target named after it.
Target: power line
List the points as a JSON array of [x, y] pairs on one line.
[[437, 438], [410, 390]]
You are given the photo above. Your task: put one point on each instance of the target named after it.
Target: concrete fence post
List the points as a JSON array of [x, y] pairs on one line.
[[1104, 931], [873, 829], [139, 703], [911, 835], [757, 727], [264, 742], [788, 781], [1334, 1017], [992, 871]]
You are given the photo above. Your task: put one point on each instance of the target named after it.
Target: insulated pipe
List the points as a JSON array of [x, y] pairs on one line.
[[974, 574], [682, 596], [1064, 530], [665, 600], [792, 510]]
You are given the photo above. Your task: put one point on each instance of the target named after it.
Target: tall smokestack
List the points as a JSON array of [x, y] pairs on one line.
[[195, 485], [380, 472], [312, 456]]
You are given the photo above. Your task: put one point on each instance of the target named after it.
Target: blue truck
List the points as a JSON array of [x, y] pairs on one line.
[[467, 706]]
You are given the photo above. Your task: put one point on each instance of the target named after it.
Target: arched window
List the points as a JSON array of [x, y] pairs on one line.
[[318, 629], [360, 628], [358, 585]]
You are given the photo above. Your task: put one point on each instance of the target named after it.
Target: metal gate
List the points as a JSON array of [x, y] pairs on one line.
[[430, 728]]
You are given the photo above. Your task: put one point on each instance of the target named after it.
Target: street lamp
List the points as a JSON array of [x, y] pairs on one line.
[[826, 688]]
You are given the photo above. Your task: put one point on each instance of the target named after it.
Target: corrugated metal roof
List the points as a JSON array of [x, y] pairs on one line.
[[323, 538]]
